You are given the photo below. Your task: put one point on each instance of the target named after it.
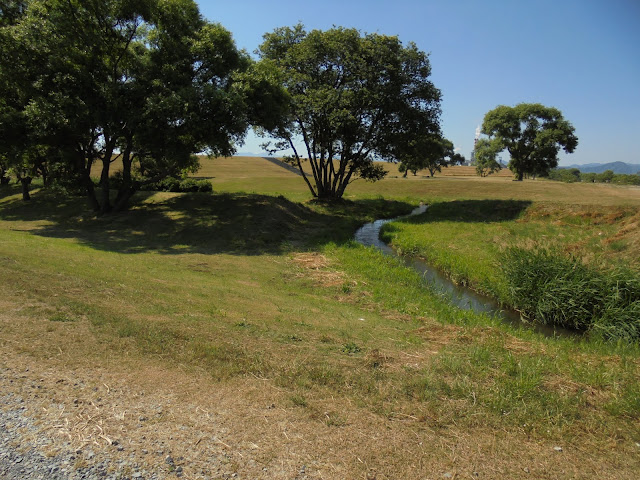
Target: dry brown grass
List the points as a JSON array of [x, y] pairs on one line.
[[88, 392], [249, 427], [315, 266], [615, 228], [255, 174]]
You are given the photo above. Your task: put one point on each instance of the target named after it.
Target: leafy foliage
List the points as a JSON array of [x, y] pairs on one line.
[[572, 175], [352, 98], [532, 133], [485, 153], [149, 82], [168, 184], [431, 152]]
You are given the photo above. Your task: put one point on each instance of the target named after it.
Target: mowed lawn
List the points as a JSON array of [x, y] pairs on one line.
[[314, 349]]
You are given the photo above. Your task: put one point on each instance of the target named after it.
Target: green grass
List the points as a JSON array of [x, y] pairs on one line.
[[463, 238], [257, 281], [473, 241]]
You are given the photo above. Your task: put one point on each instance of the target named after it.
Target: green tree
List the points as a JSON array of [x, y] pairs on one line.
[[567, 175], [352, 98], [148, 82], [11, 11], [14, 159], [625, 179], [485, 154], [605, 177], [532, 134], [431, 152]]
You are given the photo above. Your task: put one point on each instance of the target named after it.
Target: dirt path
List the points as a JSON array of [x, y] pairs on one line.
[[155, 423], [76, 405]]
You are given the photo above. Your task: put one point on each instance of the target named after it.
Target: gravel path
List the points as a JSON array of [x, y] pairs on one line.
[[20, 459], [89, 425]]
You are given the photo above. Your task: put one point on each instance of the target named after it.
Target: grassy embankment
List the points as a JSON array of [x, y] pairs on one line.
[[250, 282], [569, 265]]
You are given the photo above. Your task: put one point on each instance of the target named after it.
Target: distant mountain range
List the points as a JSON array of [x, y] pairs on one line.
[[617, 167]]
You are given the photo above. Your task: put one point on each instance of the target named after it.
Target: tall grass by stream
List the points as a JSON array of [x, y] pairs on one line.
[[556, 290], [569, 266]]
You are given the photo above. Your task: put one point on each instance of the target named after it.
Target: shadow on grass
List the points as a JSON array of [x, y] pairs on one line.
[[246, 224], [472, 211]]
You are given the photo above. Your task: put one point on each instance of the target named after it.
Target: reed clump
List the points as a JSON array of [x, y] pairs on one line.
[[553, 289]]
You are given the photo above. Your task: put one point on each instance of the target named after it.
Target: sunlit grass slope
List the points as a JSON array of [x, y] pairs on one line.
[[256, 281], [254, 174]]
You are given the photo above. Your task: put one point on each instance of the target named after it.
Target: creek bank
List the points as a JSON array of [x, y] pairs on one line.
[[461, 296]]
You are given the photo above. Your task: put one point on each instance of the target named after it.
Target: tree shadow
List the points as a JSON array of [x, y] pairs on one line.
[[472, 211], [243, 224]]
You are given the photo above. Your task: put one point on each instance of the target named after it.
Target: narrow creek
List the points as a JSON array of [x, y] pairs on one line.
[[461, 296]]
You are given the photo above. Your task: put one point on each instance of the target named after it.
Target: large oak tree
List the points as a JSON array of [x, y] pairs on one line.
[[353, 99], [532, 133]]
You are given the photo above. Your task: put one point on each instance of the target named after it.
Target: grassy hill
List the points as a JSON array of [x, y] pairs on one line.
[[254, 337]]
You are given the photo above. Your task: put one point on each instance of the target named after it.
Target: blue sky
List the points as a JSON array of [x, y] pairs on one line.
[[581, 56]]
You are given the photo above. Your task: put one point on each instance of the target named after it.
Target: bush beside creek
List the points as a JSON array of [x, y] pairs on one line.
[[556, 290]]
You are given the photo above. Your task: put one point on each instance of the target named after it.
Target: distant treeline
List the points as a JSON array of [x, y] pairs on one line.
[[571, 175]]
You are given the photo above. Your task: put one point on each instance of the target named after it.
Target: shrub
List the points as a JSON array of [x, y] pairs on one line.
[[568, 175], [191, 185], [556, 290], [169, 184], [605, 177], [622, 179]]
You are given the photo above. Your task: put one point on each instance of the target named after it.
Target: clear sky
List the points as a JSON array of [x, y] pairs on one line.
[[581, 56]]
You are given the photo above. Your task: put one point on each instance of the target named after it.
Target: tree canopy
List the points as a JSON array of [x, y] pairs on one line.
[[148, 82], [485, 153], [352, 99], [430, 151], [532, 134]]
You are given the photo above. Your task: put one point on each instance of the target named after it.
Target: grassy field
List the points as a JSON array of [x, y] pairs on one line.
[[251, 174], [468, 237], [253, 304]]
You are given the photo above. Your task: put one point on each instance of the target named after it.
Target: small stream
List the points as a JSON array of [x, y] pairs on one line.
[[462, 297]]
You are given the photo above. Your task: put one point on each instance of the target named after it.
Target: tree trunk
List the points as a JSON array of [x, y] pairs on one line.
[[122, 201], [299, 162], [91, 191], [127, 189], [105, 206], [519, 176], [25, 181]]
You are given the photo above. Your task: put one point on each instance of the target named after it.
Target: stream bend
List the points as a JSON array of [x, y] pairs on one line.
[[461, 296]]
